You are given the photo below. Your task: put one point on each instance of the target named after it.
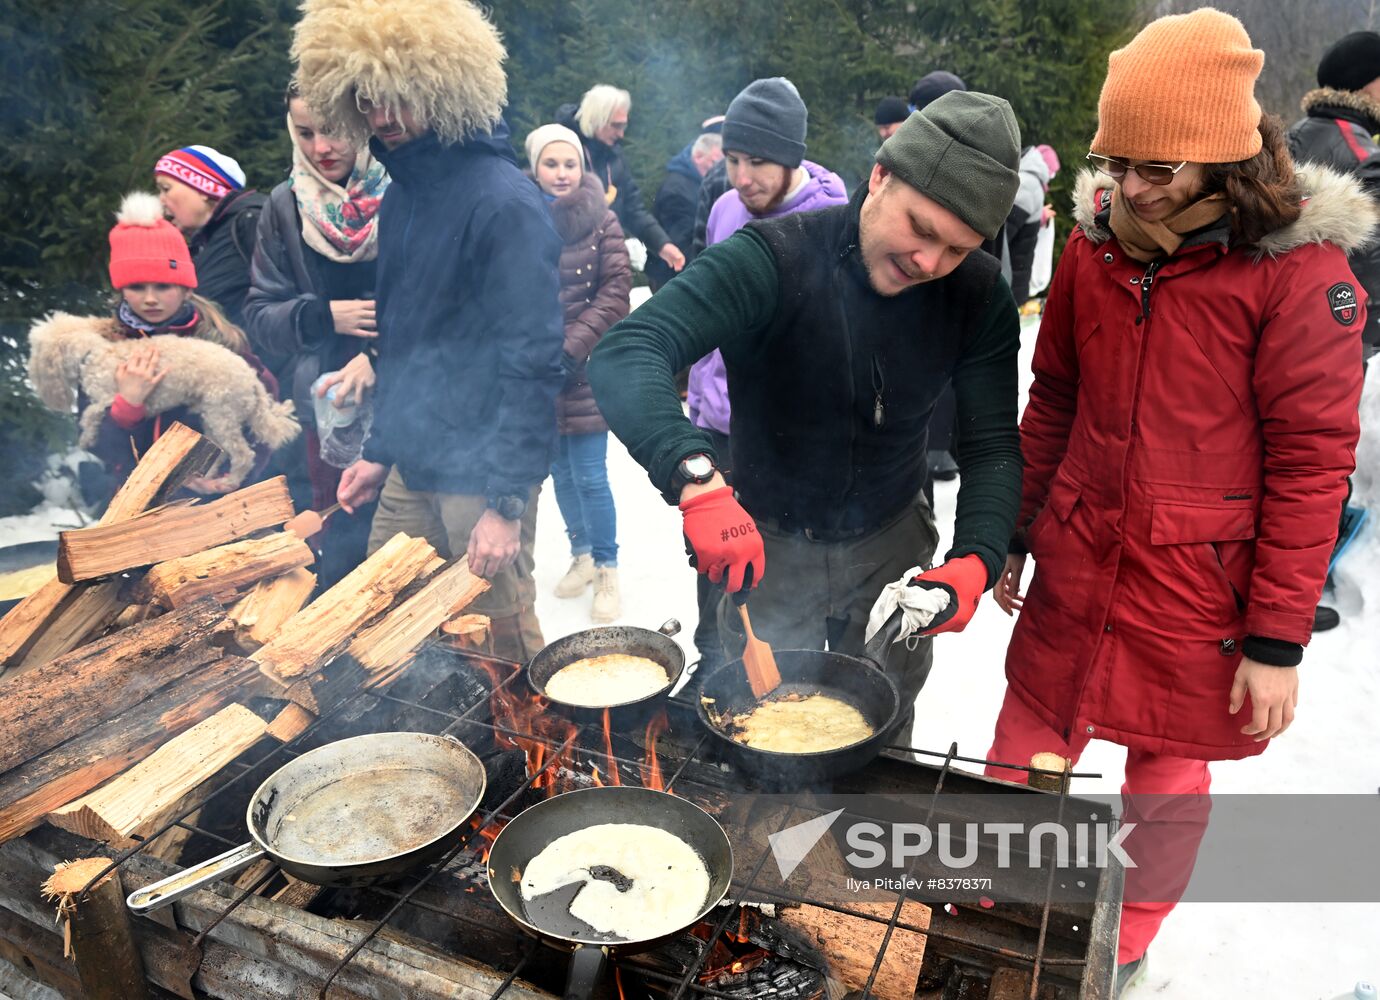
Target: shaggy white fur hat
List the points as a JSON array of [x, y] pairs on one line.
[[442, 58]]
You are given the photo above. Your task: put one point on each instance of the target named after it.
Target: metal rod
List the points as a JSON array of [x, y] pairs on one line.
[[1049, 894], [517, 969], [259, 883]]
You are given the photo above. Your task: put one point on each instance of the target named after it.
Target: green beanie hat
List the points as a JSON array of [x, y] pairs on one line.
[[963, 150]]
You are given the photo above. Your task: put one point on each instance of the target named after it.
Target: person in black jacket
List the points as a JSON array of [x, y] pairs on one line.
[[1340, 120], [600, 120], [678, 195], [470, 331], [310, 310], [203, 194]]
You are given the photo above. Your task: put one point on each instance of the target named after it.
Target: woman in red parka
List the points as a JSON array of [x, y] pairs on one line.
[[1190, 428], [596, 281]]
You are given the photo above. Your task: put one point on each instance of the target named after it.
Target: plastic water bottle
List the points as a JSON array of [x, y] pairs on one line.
[[1364, 991], [342, 429]]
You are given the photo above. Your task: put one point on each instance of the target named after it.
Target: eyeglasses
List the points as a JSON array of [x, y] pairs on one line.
[[1151, 173]]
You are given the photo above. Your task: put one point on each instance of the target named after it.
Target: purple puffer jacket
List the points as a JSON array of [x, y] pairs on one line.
[[708, 390]]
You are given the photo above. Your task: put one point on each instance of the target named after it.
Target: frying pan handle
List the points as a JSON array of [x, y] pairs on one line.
[[586, 969], [670, 627], [160, 894]]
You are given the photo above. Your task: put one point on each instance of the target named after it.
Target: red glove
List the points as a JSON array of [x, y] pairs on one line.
[[724, 539], [965, 578]]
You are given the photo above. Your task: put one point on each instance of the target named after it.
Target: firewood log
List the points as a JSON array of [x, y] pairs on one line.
[[224, 571], [171, 531], [178, 454], [320, 630], [261, 612], [71, 769], [136, 803], [101, 679]]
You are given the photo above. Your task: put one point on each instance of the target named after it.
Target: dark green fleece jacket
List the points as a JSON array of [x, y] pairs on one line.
[[831, 384]]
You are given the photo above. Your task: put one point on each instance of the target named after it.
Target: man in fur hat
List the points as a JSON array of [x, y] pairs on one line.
[[839, 330], [470, 330]]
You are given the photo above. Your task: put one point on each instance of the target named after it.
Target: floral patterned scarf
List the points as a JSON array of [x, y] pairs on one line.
[[338, 222]]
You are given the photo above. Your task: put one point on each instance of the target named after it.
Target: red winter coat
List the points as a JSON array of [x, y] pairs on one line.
[[596, 279], [1185, 469]]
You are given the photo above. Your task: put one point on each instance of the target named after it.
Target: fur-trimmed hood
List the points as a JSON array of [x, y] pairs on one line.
[[1317, 102], [579, 213], [1336, 210], [442, 58]]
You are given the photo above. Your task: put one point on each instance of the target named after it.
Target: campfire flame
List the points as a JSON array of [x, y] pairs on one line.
[[608, 751], [529, 726], [651, 768], [727, 955]]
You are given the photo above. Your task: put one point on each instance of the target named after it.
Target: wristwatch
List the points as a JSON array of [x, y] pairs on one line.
[[510, 507], [696, 468]]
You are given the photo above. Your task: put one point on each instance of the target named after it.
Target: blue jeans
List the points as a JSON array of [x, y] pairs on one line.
[[583, 495]]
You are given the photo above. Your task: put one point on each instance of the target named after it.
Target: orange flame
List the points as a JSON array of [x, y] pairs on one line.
[[608, 751], [489, 832], [651, 771], [532, 728]]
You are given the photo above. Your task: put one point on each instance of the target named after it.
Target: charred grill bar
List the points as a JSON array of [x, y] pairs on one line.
[[996, 949]]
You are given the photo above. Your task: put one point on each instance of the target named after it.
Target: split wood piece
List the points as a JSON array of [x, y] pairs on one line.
[[171, 531], [1053, 762], [88, 610], [51, 780], [224, 571], [253, 873], [320, 630], [137, 803], [290, 723], [850, 943], [98, 930], [101, 679], [262, 611], [168, 846], [297, 894], [378, 656], [467, 630], [178, 454], [759, 660], [134, 614]]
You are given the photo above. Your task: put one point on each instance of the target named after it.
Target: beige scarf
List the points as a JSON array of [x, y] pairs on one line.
[[1146, 241]]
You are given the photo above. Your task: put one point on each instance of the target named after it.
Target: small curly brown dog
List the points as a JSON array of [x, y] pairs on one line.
[[69, 352]]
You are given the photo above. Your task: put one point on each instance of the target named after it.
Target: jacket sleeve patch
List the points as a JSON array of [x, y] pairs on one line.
[[1341, 299]]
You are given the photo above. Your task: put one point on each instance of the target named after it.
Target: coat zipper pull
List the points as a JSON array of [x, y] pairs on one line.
[[1146, 281], [878, 414], [878, 387]]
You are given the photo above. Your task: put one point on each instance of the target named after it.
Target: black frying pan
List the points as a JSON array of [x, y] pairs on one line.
[[548, 917], [350, 813], [851, 679], [626, 715]]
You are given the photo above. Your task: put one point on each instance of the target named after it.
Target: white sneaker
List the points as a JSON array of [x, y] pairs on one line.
[[607, 605], [578, 577]]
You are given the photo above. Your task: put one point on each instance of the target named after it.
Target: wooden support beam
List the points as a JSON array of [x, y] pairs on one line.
[[171, 531], [850, 944], [136, 803], [222, 572], [261, 613], [320, 630], [178, 454], [70, 770], [91, 684], [98, 928]]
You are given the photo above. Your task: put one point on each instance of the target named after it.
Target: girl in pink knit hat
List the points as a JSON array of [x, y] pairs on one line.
[[155, 281]]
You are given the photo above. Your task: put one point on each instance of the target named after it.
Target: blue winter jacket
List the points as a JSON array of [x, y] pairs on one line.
[[469, 321]]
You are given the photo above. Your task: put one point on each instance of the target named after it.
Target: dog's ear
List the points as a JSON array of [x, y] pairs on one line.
[[47, 365]]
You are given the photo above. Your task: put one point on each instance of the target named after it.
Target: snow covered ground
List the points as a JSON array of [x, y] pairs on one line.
[[1291, 951]]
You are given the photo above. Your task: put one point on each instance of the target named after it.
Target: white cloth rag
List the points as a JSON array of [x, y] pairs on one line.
[[918, 605]]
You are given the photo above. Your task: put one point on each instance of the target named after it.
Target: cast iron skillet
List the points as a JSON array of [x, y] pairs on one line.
[[548, 917], [350, 813], [859, 681], [623, 716]]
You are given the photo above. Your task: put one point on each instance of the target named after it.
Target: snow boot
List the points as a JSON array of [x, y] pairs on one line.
[[578, 577], [607, 606], [1128, 974], [1325, 618]]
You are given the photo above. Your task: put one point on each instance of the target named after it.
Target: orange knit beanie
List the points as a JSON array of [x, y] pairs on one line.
[[1183, 89], [145, 247]]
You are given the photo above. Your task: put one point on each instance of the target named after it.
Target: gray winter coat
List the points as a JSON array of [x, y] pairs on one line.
[[1338, 131]]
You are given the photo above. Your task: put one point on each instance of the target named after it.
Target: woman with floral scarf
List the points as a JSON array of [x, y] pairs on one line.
[[310, 309]]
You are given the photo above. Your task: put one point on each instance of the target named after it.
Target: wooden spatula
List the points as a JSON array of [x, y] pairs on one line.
[[309, 522], [760, 661]]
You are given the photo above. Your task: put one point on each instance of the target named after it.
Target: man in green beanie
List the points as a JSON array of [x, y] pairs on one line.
[[839, 329]]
